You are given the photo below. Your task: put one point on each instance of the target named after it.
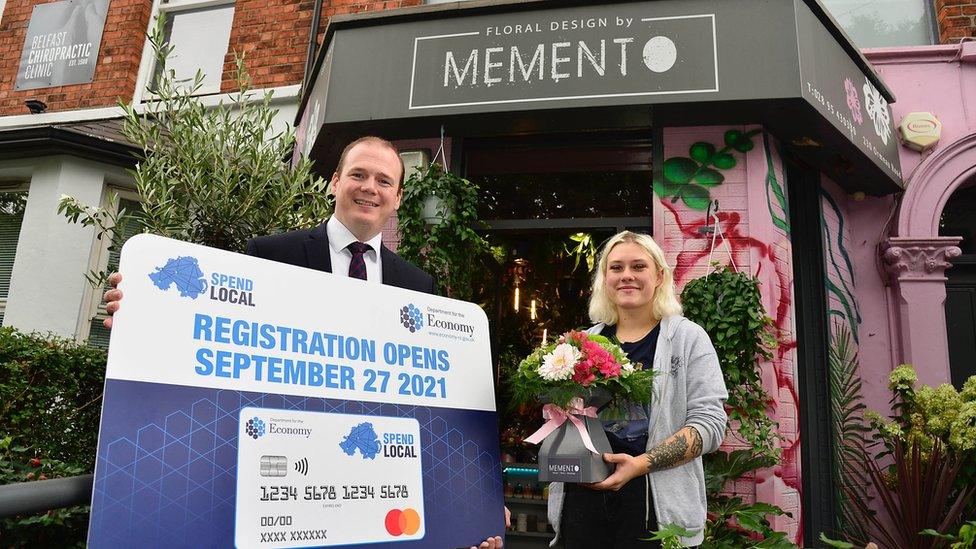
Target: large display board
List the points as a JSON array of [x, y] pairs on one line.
[[250, 403]]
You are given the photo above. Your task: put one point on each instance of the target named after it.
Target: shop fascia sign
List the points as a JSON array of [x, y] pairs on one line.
[[508, 60], [61, 46]]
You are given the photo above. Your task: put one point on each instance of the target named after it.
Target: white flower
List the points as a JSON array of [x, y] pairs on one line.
[[877, 108], [559, 364], [627, 367]]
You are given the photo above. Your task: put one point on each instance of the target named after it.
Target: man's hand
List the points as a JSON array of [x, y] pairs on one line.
[[628, 468], [491, 543], [112, 298], [496, 542]]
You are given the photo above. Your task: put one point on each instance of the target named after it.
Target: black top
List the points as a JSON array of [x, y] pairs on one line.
[[629, 436]]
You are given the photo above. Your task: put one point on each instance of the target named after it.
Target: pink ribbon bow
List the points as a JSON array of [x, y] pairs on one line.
[[556, 416]]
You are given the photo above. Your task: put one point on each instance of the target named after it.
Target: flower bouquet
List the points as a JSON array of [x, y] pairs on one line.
[[575, 376]]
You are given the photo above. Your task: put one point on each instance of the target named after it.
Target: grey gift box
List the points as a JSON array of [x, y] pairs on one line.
[[564, 458]]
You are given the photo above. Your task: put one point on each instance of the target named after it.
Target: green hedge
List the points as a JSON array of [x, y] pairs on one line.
[[50, 402]]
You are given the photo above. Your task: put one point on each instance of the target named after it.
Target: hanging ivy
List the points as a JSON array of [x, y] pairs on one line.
[[450, 249], [729, 306]]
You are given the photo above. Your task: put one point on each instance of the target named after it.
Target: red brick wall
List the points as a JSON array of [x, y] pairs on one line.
[[273, 34], [957, 20], [115, 72]]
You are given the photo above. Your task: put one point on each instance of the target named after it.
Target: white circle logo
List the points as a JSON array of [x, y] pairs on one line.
[[660, 54]]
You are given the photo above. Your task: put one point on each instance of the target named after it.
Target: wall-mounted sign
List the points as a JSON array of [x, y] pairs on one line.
[[62, 42], [844, 95], [920, 131], [542, 56], [681, 62]]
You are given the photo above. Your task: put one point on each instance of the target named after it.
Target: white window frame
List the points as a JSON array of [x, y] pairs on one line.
[[147, 65], [11, 187], [95, 309]]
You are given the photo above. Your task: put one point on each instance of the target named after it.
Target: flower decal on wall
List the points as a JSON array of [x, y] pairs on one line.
[[877, 108], [853, 100]]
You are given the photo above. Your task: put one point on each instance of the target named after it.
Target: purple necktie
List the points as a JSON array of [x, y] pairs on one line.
[[357, 267]]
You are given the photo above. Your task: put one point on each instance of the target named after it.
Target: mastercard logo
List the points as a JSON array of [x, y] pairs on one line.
[[404, 522]]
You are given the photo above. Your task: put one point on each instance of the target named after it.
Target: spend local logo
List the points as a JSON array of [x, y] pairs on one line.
[[399, 445], [185, 274]]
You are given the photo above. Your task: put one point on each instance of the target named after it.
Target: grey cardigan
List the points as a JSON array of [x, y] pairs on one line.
[[688, 390]]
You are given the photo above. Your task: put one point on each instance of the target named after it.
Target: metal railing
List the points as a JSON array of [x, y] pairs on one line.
[[25, 498]]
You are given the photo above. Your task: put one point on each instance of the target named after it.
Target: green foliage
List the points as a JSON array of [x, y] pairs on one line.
[[584, 250], [688, 178], [450, 250], [50, 401], [928, 416], [917, 495], [211, 175], [851, 434], [753, 528], [836, 543], [56, 528], [964, 539], [633, 384], [722, 467], [670, 536], [729, 307]]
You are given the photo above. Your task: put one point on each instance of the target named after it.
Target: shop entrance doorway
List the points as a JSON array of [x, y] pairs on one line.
[[548, 204], [959, 219]]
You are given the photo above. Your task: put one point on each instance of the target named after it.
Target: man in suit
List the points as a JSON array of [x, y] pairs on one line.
[[368, 186]]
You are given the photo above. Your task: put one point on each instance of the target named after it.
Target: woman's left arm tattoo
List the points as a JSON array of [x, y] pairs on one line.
[[681, 447]]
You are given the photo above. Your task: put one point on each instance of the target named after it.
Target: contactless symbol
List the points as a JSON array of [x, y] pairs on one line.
[[302, 466], [254, 428], [411, 318], [274, 466], [404, 522]]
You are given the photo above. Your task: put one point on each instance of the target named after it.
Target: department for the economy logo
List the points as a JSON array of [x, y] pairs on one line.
[[185, 273], [411, 317], [254, 428]]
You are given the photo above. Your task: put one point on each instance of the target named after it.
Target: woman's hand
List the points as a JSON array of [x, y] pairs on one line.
[[628, 468]]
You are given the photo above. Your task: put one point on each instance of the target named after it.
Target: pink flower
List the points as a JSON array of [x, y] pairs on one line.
[[853, 100], [591, 348], [584, 374], [609, 369]]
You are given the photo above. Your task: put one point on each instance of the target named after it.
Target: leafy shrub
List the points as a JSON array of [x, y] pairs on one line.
[[50, 402]]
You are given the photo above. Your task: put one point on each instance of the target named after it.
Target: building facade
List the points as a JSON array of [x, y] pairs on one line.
[[851, 232]]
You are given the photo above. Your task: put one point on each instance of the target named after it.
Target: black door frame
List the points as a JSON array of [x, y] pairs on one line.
[[810, 305]]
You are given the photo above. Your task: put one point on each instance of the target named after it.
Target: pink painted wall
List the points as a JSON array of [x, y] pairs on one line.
[[936, 79], [755, 236]]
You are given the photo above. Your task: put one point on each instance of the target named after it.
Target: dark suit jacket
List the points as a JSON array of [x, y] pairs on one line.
[[310, 248]]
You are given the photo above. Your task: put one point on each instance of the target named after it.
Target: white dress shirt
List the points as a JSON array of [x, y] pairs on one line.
[[339, 238]]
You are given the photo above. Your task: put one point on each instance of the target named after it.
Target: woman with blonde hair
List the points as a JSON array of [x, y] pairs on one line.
[[658, 478]]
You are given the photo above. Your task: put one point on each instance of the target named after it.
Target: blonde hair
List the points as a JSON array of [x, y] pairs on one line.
[[665, 303]]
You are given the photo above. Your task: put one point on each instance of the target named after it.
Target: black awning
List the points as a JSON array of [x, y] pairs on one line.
[[491, 68], [100, 140]]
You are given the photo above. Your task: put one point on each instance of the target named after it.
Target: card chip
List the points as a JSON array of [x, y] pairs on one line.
[[274, 466]]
